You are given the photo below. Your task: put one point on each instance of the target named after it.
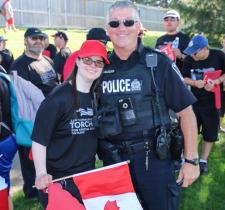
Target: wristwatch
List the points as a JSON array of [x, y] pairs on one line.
[[194, 161]]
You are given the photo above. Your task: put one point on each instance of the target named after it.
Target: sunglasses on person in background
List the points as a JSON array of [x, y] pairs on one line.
[[35, 38], [172, 19], [116, 23], [90, 61]]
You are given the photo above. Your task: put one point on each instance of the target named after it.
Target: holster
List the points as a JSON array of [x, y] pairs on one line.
[[109, 152]]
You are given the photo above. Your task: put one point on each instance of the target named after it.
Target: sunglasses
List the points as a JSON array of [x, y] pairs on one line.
[[90, 61], [116, 23], [172, 19], [35, 38]]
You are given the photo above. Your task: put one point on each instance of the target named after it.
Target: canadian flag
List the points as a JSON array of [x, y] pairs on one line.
[[108, 188], [168, 50], [212, 75]]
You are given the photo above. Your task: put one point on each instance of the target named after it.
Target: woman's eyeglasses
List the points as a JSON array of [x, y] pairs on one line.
[[116, 23], [90, 61]]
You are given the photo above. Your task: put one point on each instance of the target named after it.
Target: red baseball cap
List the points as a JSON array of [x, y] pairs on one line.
[[93, 48]]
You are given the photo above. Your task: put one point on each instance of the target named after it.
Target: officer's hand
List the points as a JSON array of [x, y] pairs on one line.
[[199, 83], [43, 181], [188, 174]]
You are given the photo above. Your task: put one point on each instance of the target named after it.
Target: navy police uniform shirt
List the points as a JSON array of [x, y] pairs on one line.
[[167, 75]]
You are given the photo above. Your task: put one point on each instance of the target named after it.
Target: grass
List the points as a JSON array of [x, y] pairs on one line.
[[16, 41], [207, 193]]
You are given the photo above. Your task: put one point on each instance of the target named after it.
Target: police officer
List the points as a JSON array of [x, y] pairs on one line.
[[131, 124]]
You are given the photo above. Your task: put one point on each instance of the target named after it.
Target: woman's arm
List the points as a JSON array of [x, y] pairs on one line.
[[39, 157]]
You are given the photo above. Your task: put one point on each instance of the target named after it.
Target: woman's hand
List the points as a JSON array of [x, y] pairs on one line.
[[42, 181]]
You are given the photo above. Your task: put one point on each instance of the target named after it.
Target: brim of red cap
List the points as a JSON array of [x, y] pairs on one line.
[[93, 48]]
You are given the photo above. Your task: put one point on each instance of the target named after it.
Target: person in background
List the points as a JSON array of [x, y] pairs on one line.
[[6, 56], [223, 44], [202, 59], [61, 40], [222, 111], [8, 13], [130, 122], [69, 143], [172, 21], [8, 146], [50, 49], [39, 70], [93, 34]]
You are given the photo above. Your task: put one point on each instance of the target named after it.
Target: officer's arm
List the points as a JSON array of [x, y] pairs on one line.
[[189, 129], [189, 173]]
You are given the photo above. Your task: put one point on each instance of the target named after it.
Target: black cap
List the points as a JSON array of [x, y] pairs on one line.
[[34, 32], [61, 34], [98, 34], [2, 38]]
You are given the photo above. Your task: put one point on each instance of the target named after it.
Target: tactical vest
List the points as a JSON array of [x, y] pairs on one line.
[[135, 84]]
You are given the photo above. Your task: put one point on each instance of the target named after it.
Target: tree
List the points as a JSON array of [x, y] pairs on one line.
[[203, 16]]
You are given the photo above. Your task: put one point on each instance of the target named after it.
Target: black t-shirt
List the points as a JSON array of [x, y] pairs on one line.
[[166, 39], [6, 59], [68, 134], [195, 70], [60, 59], [5, 113], [40, 72], [52, 50]]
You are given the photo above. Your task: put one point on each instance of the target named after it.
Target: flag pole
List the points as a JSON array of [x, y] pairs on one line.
[[71, 176]]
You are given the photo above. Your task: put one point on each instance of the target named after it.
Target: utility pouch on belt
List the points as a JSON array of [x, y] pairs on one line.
[[109, 152], [162, 144], [177, 142], [109, 123]]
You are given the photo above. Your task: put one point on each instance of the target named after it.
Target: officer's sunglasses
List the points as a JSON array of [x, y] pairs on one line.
[[116, 23], [35, 38], [90, 61]]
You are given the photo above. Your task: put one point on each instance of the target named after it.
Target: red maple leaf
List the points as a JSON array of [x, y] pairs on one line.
[[111, 205]]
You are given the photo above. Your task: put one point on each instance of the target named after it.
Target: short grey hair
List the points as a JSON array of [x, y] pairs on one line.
[[122, 5]]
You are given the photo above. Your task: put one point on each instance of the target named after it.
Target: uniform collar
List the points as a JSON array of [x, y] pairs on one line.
[[132, 59]]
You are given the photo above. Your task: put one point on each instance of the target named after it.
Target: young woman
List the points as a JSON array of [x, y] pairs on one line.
[[64, 140]]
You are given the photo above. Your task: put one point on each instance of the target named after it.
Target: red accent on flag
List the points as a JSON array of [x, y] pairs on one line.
[[100, 183], [59, 199], [216, 90], [69, 65], [168, 50], [111, 205]]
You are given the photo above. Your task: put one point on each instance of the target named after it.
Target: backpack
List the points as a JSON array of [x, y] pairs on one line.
[[21, 124]]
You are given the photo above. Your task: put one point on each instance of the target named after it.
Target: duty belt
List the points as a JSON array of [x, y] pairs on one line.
[[133, 147]]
